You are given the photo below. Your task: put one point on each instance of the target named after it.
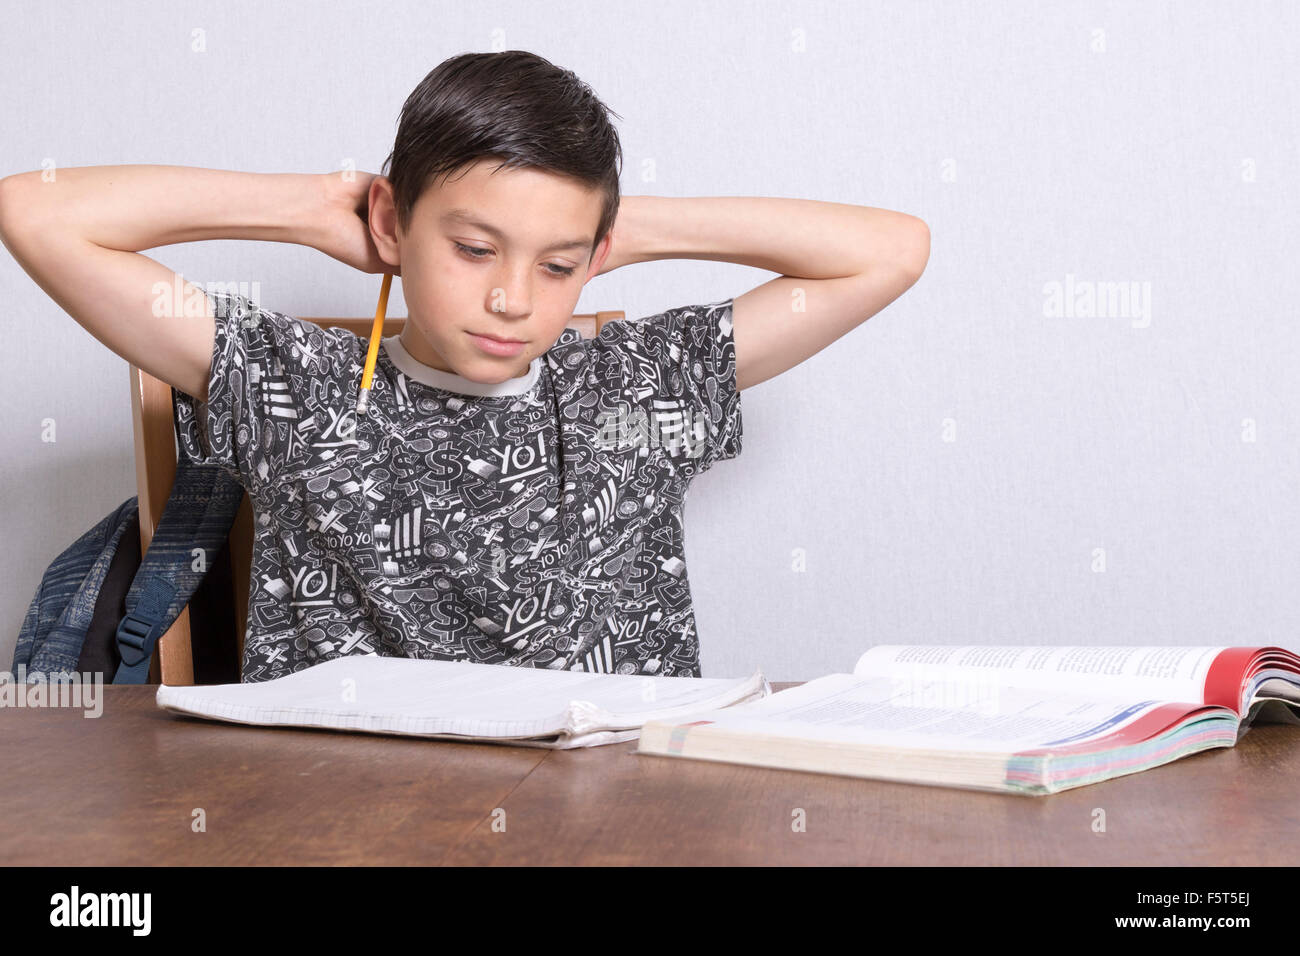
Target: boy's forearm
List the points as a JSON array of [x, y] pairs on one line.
[[138, 207], [795, 237]]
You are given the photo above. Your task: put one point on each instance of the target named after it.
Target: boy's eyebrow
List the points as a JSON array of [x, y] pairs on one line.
[[467, 218]]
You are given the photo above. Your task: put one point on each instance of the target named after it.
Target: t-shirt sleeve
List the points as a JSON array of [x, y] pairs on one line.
[[680, 379], [272, 378]]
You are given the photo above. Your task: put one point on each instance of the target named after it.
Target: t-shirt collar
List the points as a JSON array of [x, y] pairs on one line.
[[450, 381]]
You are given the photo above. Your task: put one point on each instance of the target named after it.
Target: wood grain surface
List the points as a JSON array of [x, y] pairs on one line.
[[125, 788]]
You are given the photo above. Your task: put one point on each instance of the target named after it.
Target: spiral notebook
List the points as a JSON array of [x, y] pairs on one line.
[[455, 700]]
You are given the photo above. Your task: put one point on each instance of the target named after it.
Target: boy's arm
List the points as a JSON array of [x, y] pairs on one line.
[[78, 236], [840, 265]]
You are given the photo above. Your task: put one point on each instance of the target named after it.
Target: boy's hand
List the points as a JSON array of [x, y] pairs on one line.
[[343, 231]]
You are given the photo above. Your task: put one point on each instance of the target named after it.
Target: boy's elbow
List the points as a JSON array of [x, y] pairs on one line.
[[916, 247], [5, 201], [11, 201]]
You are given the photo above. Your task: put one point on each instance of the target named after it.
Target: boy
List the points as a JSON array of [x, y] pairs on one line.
[[502, 499]]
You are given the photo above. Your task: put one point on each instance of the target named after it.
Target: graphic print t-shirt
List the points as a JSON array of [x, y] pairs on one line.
[[535, 522]]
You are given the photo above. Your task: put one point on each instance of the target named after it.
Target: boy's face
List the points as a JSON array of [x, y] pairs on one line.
[[503, 254]]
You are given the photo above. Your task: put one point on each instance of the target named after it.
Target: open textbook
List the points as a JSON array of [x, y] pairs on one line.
[[459, 700], [1030, 720]]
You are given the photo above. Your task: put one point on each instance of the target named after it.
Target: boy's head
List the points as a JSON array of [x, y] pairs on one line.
[[497, 202]]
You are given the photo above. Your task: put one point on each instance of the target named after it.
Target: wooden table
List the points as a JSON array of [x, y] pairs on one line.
[[125, 788]]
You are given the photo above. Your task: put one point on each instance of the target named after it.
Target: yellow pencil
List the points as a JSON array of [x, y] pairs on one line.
[[363, 400]]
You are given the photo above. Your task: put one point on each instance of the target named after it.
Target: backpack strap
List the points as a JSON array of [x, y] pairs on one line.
[[198, 515]]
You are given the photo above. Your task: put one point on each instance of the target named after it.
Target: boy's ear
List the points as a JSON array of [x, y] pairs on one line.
[[602, 253], [383, 220]]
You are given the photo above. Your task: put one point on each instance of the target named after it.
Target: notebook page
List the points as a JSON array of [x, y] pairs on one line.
[[632, 702], [1128, 673], [869, 710], [405, 695]]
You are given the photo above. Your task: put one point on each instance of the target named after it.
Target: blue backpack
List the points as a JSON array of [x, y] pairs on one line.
[[100, 608]]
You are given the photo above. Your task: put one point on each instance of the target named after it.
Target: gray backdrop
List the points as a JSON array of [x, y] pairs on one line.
[[1078, 427]]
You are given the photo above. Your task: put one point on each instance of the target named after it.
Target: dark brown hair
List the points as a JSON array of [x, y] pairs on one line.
[[515, 106]]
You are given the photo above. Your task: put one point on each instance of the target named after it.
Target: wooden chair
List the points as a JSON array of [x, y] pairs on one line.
[[155, 470]]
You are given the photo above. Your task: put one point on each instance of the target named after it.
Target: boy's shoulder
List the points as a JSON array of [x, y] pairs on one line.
[[669, 339], [293, 342]]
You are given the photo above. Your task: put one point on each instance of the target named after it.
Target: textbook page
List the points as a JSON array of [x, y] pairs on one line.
[[1129, 673], [874, 711], [411, 696]]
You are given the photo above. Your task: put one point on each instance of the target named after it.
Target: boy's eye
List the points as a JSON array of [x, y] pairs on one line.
[[474, 252]]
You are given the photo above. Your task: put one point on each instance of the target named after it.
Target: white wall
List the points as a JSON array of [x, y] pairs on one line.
[[1151, 145]]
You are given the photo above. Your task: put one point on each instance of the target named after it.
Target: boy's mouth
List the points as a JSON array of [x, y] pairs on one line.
[[495, 346]]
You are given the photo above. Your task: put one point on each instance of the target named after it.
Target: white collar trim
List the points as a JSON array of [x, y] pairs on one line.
[[450, 381]]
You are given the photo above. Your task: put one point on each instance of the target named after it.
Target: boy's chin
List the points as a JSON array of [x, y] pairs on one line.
[[487, 371]]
